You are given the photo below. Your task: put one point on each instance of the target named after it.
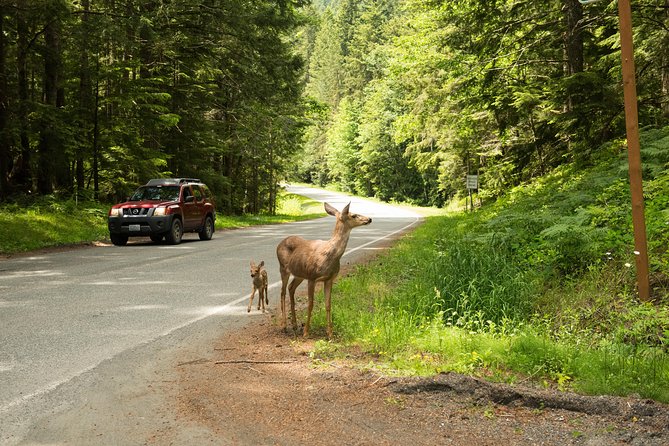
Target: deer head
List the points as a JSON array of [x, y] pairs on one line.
[[349, 219]]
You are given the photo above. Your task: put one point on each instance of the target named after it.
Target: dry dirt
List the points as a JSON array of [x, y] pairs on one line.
[[255, 385], [261, 387]]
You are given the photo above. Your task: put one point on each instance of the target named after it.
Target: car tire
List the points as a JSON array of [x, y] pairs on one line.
[[207, 230], [119, 239], [156, 238], [173, 237]]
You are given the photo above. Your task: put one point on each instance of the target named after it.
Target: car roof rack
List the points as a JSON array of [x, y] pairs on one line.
[[159, 181]]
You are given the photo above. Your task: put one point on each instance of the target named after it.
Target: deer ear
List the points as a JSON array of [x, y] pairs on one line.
[[262, 263], [252, 264], [330, 210], [345, 210]]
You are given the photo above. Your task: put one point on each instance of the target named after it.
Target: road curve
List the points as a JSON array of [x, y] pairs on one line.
[[65, 314]]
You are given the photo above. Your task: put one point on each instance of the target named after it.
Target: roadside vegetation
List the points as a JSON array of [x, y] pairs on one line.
[[538, 286], [52, 221]]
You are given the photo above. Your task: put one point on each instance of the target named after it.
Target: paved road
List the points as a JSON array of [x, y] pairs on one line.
[[63, 314]]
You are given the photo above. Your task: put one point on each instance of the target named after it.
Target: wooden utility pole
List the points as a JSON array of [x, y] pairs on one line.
[[633, 148]]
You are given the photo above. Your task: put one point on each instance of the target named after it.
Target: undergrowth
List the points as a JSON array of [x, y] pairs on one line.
[[538, 286], [31, 224]]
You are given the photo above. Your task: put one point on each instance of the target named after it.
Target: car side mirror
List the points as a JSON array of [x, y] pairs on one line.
[[190, 199]]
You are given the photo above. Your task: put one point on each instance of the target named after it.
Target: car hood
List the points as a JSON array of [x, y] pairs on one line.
[[144, 204]]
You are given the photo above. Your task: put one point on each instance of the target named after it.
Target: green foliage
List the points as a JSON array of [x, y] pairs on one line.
[[539, 285], [54, 221], [50, 222], [510, 90], [135, 90]]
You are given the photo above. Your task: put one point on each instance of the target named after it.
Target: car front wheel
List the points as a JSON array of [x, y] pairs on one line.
[[207, 230], [118, 239], [176, 232]]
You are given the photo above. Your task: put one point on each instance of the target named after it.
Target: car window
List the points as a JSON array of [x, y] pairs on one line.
[[186, 193], [197, 193], [158, 193]]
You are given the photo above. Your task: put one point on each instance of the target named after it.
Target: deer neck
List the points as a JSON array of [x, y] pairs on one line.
[[337, 244]]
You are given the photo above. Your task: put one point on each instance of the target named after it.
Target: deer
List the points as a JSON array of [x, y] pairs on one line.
[[259, 276], [315, 261]]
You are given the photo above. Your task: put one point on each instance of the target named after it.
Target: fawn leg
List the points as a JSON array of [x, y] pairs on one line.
[[253, 293], [327, 290], [311, 288], [261, 298], [266, 295]]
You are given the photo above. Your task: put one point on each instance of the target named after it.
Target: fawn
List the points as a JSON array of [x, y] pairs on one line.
[[259, 276]]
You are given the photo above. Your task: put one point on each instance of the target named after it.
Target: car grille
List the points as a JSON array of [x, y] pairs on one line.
[[135, 211]]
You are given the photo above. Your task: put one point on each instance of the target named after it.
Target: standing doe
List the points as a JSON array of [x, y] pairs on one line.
[[259, 276], [315, 260]]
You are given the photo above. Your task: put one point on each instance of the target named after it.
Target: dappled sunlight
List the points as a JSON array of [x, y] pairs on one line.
[[219, 310], [142, 307], [128, 283], [24, 274]]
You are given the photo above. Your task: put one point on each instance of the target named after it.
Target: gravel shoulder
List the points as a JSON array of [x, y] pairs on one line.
[[256, 385], [252, 384]]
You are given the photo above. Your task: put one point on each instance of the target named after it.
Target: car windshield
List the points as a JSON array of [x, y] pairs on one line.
[[159, 193]]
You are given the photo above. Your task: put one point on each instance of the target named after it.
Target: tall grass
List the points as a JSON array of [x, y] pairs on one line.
[[49, 221], [538, 286]]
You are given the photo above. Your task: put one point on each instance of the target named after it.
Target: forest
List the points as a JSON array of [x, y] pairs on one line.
[[396, 99], [393, 99], [98, 96], [418, 93]]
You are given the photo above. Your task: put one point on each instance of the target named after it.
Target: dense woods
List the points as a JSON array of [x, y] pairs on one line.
[[397, 99], [97, 96], [418, 92]]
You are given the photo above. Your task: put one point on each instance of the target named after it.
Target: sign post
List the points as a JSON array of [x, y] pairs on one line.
[[633, 148], [472, 185]]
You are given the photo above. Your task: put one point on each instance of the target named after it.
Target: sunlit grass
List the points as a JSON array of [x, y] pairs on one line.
[[52, 223], [474, 311]]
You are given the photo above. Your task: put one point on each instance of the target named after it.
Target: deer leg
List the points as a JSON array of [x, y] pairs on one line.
[[266, 296], [285, 275], [312, 288], [327, 291], [293, 286], [253, 293]]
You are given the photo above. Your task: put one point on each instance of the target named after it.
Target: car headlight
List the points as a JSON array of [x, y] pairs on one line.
[[159, 211], [115, 212]]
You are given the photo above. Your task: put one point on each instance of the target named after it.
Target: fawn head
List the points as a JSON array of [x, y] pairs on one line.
[[348, 218], [255, 269]]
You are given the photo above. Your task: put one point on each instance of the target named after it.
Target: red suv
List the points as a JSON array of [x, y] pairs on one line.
[[165, 207]]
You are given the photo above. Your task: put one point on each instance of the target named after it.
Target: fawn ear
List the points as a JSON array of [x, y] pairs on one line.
[[252, 264], [345, 210], [330, 210], [262, 263]]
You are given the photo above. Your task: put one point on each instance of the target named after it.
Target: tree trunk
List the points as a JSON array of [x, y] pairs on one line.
[[85, 94], [573, 41], [21, 173], [48, 152], [5, 156], [665, 65]]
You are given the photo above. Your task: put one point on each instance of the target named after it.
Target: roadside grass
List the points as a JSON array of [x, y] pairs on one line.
[[412, 326], [50, 222], [537, 287]]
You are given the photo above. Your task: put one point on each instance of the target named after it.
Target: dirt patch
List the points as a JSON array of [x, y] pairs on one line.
[[260, 386]]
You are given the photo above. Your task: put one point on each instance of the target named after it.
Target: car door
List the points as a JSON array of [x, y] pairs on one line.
[[190, 209]]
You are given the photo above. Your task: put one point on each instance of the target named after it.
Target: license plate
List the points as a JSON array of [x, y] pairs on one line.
[[134, 228]]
